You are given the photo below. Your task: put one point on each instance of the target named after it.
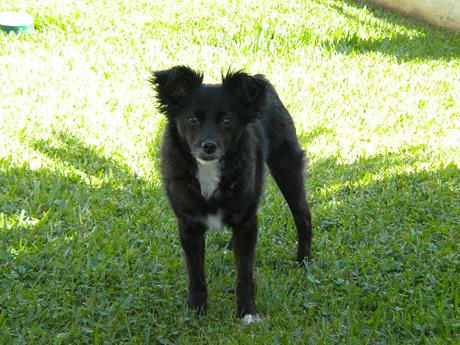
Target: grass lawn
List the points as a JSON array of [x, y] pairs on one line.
[[89, 251]]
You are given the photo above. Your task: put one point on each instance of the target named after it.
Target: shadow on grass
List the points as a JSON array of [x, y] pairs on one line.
[[417, 42], [95, 254], [385, 238], [81, 176], [357, 205], [385, 189], [79, 245]]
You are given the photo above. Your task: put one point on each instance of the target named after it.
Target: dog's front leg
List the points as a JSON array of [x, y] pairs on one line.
[[244, 243], [193, 243]]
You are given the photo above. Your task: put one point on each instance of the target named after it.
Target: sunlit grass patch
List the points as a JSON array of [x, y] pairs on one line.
[[88, 245]]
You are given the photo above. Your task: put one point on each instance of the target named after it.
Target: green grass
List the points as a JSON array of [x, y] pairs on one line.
[[88, 245]]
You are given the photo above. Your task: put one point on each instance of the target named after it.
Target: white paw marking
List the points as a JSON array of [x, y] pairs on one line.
[[248, 318]]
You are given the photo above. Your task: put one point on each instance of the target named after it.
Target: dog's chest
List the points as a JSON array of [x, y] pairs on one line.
[[208, 174]]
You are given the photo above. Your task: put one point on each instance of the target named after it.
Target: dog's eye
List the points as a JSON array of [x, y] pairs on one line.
[[193, 120], [226, 122]]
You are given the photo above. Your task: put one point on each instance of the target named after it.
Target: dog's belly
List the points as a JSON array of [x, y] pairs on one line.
[[214, 221]]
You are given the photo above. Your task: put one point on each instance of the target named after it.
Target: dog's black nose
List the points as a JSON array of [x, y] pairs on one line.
[[209, 146]]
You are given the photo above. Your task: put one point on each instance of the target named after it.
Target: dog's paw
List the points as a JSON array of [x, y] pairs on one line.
[[249, 318], [303, 255], [198, 303], [303, 259]]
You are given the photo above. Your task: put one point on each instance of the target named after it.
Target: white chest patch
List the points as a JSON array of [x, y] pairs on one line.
[[208, 175]]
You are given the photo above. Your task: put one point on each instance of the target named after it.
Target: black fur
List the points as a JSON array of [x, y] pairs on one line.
[[242, 124]]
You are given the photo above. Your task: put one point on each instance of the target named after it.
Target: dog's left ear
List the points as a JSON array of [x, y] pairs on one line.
[[173, 85], [250, 90]]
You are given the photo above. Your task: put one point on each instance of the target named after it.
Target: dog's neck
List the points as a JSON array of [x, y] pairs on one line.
[[208, 174]]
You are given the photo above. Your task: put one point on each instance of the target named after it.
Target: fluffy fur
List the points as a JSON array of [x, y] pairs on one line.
[[216, 143]]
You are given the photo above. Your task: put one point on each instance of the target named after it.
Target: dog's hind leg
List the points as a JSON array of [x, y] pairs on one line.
[[287, 168]]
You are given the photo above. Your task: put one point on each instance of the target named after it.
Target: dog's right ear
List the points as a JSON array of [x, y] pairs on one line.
[[173, 85]]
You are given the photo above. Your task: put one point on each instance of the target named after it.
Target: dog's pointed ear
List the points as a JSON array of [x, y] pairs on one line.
[[174, 84], [250, 90]]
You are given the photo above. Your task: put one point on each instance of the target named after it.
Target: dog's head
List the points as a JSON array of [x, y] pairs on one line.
[[210, 118]]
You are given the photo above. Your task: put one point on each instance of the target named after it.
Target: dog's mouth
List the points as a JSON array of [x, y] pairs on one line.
[[206, 162], [206, 158], [202, 156]]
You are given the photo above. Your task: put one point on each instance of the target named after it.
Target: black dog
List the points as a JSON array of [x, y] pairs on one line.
[[216, 142]]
